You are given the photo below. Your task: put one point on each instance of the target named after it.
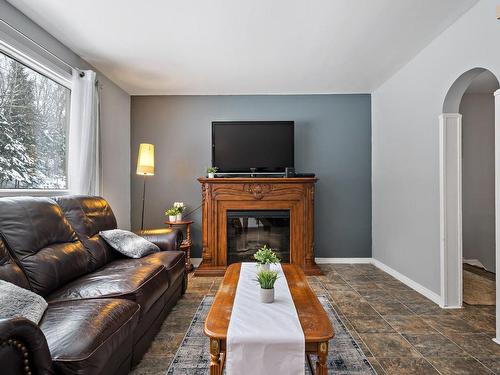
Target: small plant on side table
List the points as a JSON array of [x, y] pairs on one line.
[[211, 171], [265, 256], [172, 214], [266, 280], [180, 209]]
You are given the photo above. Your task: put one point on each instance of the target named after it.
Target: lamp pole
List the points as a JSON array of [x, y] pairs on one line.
[[143, 201]]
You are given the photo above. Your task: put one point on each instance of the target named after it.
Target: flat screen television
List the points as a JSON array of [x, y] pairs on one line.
[[240, 146]]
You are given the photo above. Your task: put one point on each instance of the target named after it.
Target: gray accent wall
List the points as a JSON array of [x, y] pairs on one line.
[[332, 139], [478, 178]]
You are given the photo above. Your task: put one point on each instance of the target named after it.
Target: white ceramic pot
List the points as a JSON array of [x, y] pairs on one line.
[[211, 175], [178, 217], [265, 267], [266, 295], [172, 218]]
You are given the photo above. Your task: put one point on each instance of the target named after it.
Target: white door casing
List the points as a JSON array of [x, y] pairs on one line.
[[497, 210], [450, 190]]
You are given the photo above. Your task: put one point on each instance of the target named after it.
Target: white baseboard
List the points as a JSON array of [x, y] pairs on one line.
[[474, 262], [343, 260], [434, 297], [196, 262]]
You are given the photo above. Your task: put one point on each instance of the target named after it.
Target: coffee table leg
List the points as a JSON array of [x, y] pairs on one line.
[[321, 367], [215, 362]]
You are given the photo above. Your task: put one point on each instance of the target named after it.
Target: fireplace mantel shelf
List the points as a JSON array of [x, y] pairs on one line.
[[280, 180], [220, 195]]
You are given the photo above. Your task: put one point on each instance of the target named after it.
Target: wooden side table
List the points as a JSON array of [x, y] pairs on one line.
[[187, 242]]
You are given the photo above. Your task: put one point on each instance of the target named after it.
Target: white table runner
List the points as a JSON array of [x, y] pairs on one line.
[[264, 338]]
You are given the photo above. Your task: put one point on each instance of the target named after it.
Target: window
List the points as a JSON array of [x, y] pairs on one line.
[[34, 122]]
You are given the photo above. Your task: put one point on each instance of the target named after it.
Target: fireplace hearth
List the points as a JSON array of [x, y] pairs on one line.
[[247, 231]]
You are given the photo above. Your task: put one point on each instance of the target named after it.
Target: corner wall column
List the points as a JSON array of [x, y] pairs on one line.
[[450, 191], [497, 211]]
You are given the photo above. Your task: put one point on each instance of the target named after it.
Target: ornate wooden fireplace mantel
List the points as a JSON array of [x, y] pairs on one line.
[[222, 194]]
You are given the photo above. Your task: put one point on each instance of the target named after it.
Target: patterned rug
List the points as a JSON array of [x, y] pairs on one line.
[[344, 356]]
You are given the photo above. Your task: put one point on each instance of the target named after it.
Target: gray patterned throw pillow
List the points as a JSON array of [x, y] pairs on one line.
[[128, 243], [16, 301]]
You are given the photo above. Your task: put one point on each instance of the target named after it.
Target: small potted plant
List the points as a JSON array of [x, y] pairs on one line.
[[265, 256], [211, 171], [172, 214], [180, 209], [266, 280]]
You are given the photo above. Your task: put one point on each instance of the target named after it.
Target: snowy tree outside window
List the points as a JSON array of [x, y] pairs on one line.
[[34, 119]]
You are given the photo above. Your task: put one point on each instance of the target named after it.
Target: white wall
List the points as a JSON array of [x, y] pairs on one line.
[[115, 110], [478, 178], [405, 158]]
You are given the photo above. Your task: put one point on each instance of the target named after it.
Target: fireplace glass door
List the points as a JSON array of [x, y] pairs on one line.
[[247, 231]]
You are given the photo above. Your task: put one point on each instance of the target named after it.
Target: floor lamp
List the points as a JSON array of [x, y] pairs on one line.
[[145, 167]]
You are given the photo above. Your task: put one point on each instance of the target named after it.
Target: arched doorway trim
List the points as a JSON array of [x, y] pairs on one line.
[[450, 180]]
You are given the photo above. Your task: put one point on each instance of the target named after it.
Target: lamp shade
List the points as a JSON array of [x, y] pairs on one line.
[[146, 160]]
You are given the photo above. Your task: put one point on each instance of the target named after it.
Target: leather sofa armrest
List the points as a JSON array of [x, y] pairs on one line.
[[23, 348], [166, 238]]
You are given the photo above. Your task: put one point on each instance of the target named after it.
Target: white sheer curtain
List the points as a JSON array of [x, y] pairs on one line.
[[84, 171]]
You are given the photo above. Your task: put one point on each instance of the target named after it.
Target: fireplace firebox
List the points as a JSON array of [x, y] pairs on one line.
[[247, 231]]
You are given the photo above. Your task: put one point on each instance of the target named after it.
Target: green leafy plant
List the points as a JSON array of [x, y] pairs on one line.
[[266, 255], [172, 211], [212, 169], [267, 279]]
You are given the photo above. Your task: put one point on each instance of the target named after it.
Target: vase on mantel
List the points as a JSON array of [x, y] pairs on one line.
[[178, 217], [267, 295], [172, 218]]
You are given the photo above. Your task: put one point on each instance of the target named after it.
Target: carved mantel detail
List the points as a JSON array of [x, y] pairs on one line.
[[220, 195], [258, 190]]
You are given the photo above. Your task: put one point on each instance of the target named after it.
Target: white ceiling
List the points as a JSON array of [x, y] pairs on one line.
[[246, 46]]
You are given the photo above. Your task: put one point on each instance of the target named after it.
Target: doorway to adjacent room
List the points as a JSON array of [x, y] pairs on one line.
[[468, 170]]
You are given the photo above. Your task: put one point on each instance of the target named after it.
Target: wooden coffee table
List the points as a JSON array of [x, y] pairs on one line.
[[313, 318]]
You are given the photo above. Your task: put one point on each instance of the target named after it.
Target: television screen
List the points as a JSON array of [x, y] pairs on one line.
[[239, 146]]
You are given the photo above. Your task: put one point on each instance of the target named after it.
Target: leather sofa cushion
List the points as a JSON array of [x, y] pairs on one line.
[[143, 284], [83, 335], [88, 216], [173, 261], [42, 242], [9, 270]]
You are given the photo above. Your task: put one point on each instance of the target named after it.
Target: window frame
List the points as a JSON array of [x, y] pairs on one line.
[[57, 75], [37, 66]]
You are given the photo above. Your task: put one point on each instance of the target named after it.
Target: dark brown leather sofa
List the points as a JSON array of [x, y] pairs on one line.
[[104, 309]]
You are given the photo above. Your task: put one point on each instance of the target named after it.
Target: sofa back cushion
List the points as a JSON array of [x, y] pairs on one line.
[[10, 270], [42, 242], [88, 216]]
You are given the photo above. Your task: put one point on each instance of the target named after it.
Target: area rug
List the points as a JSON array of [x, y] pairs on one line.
[[344, 356], [478, 290]]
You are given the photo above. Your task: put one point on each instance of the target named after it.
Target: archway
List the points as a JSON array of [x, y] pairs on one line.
[[450, 153]]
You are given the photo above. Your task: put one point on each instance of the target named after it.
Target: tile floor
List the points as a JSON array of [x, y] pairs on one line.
[[400, 331]]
